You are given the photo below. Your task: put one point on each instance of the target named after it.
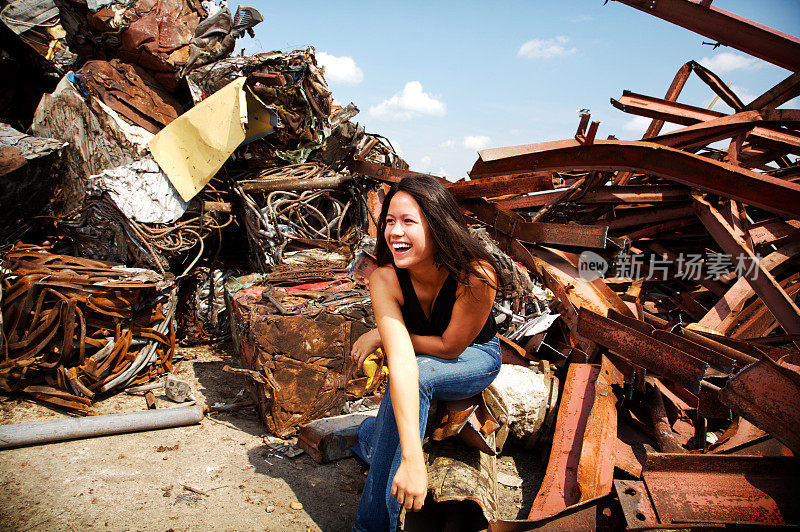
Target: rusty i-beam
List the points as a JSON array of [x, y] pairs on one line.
[[726, 28], [763, 191]]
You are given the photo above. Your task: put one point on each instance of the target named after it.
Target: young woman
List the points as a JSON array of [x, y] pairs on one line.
[[432, 295]]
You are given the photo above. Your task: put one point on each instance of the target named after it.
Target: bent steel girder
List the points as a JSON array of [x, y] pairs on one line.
[[726, 28], [774, 137], [726, 127], [759, 190]]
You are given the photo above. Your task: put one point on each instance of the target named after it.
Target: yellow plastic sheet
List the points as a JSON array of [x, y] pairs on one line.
[[194, 146]]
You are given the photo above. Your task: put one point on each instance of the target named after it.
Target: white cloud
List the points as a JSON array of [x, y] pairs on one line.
[[410, 102], [476, 142], [546, 48], [340, 69], [639, 124], [425, 163], [729, 61], [449, 143]]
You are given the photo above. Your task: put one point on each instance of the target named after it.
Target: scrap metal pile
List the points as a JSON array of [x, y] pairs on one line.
[[151, 147], [653, 283]]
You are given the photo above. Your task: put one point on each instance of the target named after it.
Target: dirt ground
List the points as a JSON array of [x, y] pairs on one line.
[[140, 481]]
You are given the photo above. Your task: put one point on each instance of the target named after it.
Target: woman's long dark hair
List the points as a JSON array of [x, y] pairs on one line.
[[456, 249]]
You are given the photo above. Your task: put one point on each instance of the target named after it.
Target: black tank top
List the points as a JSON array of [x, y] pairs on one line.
[[417, 323]]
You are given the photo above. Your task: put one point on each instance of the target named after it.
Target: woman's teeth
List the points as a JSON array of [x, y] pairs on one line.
[[401, 247]]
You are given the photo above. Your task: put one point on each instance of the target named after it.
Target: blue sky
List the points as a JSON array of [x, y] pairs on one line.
[[444, 79]]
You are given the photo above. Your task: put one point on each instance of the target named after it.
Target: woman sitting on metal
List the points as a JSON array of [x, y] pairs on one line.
[[432, 295]]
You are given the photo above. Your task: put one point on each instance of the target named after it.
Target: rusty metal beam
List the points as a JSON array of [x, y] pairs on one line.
[[377, 171], [648, 216], [490, 187], [719, 87], [559, 488], [596, 467], [777, 95], [734, 299], [614, 194], [673, 92], [642, 349], [515, 226], [766, 192], [761, 280], [725, 127], [768, 395], [727, 28], [642, 105], [696, 489]]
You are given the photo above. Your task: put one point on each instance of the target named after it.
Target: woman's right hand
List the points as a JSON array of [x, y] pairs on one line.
[[410, 484], [366, 344]]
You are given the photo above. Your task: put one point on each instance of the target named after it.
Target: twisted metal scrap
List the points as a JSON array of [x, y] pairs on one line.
[[77, 328], [291, 202]]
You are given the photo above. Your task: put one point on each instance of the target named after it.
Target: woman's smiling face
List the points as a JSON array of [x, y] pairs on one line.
[[407, 232]]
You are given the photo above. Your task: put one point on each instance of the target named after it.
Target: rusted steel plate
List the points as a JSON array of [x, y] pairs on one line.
[[560, 487], [722, 26], [768, 395], [724, 489], [766, 192], [636, 505], [638, 347], [775, 231], [780, 304], [513, 225]]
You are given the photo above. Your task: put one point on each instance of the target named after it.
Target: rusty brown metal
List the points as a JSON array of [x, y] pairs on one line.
[[770, 136], [596, 467], [515, 226], [724, 127], [638, 347], [777, 95], [766, 192], [592, 515], [560, 488], [767, 394], [763, 283], [76, 328], [695, 489], [490, 187], [727, 28]]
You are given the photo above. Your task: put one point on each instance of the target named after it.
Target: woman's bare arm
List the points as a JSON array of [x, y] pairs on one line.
[[410, 484]]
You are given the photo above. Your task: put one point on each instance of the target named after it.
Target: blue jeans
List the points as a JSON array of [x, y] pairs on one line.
[[378, 440]]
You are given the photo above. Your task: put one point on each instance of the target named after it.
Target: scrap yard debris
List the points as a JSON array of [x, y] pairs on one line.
[[650, 330]]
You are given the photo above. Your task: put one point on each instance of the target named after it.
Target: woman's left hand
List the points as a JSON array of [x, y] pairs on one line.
[[366, 344]]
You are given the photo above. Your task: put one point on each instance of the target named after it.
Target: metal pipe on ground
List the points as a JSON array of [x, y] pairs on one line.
[[87, 427]]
